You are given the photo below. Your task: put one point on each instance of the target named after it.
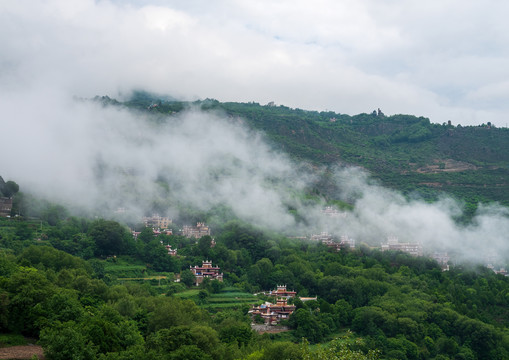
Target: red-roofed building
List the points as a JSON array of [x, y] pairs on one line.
[[206, 271], [273, 313], [172, 252], [282, 292]]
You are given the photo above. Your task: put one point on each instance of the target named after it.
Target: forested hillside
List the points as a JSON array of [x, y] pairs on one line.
[[101, 283], [62, 284], [87, 288], [408, 153]]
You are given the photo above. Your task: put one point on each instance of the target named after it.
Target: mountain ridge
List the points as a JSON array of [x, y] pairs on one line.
[[405, 152]]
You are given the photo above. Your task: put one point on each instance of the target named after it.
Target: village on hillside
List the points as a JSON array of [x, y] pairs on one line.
[[280, 301]]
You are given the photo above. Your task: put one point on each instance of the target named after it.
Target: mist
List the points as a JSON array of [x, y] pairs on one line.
[[102, 158], [380, 212]]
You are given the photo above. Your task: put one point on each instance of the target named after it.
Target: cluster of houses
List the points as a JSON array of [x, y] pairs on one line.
[[157, 222], [333, 212], [393, 244], [208, 271], [272, 313], [491, 259], [160, 225], [327, 239], [442, 258], [197, 231], [501, 271]]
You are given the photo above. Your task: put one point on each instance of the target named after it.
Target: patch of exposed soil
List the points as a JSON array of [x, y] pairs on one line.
[[432, 184], [447, 165], [21, 352], [270, 329]]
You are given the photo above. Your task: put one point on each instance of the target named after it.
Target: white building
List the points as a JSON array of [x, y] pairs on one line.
[[414, 249]]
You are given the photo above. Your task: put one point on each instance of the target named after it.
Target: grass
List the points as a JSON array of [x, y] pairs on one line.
[[188, 294], [143, 278], [222, 306], [233, 295], [125, 268], [219, 300], [230, 298], [227, 298], [12, 340]]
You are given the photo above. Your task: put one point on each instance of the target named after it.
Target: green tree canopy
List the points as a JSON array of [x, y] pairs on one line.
[[110, 237]]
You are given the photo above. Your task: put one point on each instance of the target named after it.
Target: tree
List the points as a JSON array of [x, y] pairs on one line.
[[146, 235], [343, 311], [66, 341], [110, 238], [283, 350], [203, 295], [217, 286], [343, 348], [189, 352], [158, 256], [171, 340], [61, 307], [52, 258], [53, 214], [107, 329], [10, 188], [306, 325], [371, 320], [172, 311], [28, 287], [235, 331], [24, 231], [187, 277], [204, 245], [260, 273]]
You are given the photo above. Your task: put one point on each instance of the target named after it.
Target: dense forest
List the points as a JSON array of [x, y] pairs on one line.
[[86, 289]]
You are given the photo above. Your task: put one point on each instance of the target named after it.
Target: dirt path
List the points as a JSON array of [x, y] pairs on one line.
[[261, 329], [21, 352]]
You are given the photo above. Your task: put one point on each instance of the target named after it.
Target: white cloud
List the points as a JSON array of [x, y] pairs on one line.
[[101, 158], [429, 59]]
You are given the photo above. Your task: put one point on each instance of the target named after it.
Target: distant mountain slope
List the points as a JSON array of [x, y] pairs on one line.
[[404, 152]]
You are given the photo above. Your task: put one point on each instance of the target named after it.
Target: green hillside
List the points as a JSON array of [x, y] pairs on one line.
[[405, 152], [78, 303], [86, 288]]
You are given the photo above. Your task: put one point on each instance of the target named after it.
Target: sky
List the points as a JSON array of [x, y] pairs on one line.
[[445, 60]]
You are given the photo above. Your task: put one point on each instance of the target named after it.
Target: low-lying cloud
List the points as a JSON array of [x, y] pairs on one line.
[[353, 57], [99, 158]]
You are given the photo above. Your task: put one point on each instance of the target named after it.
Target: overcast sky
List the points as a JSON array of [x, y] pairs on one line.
[[446, 60]]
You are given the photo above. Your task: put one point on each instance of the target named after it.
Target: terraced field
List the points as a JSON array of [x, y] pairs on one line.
[[229, 297]]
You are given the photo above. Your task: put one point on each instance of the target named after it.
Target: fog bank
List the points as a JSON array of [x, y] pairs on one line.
[[85, 155]]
